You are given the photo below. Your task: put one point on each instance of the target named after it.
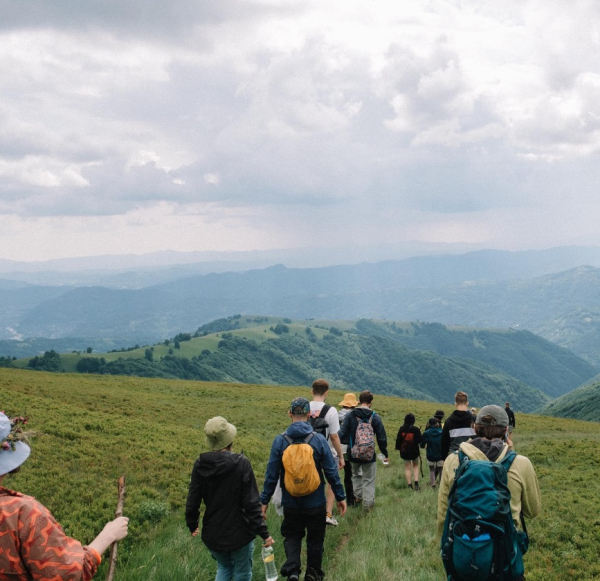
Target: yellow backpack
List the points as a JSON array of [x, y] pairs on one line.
[[301, 474]]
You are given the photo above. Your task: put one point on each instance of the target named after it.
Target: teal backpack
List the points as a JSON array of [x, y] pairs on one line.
[[480, 541]]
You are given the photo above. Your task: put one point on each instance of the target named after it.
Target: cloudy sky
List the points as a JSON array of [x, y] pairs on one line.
[[130, 126]]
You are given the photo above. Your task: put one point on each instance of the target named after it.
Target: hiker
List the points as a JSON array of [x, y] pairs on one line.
[[360, 429], [32, 544], [439, 416], [319, 409], [432, 441], [512, 423], [232, 519], [473, 493], [348, 403], [459, 425], [407, 441], [298, 459]]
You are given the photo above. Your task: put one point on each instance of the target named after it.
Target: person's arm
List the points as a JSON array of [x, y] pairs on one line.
[[531, 499], [274, 467], [194, 499], [330, 468], [113, 531], [379, 430], [335, 441], [445, 441], [50, 554], [251, 503], [445, 485]]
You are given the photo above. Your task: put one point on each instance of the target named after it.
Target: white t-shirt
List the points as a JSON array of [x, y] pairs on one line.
[[331, 417]]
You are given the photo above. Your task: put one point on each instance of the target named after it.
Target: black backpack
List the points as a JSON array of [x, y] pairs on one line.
[[319, 424]]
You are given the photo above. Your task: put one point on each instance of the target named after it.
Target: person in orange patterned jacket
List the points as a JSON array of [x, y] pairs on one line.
[[33, 546]]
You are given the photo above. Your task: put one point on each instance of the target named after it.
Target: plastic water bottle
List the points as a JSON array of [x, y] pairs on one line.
[[268, 557], [383, 460]]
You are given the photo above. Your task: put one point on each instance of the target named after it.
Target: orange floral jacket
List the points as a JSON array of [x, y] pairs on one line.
[[33, 546]]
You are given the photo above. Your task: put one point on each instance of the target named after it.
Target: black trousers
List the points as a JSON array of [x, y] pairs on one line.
[[298, 522]]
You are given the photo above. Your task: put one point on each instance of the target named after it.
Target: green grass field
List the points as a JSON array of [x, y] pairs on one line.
[[97, 427]]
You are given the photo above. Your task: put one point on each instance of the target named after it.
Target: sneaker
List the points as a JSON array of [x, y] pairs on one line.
[[293, 577], [331, 521]]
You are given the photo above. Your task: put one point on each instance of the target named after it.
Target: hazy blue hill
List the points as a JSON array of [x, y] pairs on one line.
[[563, 307], [580, 404], [527, 357]]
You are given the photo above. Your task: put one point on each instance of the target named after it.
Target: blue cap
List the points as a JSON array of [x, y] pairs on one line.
[[300, 406]]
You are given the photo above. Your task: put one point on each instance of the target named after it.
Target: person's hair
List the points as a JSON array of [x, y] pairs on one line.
[[300, 416], [507, 404], [433, 422], [365, 396], [461, 398], [489, 432], [409, 420], [320, 386]]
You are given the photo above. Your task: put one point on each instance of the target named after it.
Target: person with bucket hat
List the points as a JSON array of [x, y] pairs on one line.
[[348, 403], [232, 520], [32, 544]]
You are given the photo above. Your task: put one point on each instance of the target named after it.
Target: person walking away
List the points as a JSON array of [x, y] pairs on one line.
[[348, 403], [458, 428], [466, 502], [439, 415], [512, 422], [319, 409], [299, 458], [360, 429], [432, 442], [233, 518], [407, 442], [32, 544]]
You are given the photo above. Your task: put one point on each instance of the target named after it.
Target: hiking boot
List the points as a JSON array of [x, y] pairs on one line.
[[417, 487], [312, 575], [294, 577], [331, 520]]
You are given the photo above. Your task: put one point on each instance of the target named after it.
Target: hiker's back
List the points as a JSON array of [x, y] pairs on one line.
[[480, 541]]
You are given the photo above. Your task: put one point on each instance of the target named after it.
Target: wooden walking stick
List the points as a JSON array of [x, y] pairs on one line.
[[118, 513]]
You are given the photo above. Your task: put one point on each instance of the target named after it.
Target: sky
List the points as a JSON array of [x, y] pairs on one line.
[[133, 126]]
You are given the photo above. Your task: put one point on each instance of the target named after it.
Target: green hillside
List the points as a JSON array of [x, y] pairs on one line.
[[280, 352], [580, 404], [97, 427]]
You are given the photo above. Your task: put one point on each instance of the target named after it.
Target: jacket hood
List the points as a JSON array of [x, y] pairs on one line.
[[299, 429], [461, 415], [363, 413], [217, 463], [436, 430], [483, 449]]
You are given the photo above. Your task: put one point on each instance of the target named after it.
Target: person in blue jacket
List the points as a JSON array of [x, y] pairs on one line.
[[303, 515], [432, 441]]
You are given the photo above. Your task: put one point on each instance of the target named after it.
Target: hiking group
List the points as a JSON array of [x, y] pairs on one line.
[[485, 492]]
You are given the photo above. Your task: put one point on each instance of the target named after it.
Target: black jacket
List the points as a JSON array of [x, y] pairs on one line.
[[347, 432], [511, 417], [457, 429], [232, 518], [407, 441]]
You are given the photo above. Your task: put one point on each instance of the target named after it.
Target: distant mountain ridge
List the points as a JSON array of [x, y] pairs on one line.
[[476, 289]]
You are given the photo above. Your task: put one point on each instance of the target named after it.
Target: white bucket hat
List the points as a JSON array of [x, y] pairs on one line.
[[12, 453]]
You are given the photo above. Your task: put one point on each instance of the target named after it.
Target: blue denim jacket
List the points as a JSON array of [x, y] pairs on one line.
[[323, 459]]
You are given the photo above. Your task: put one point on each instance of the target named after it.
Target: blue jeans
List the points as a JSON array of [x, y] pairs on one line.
[[234, 565]]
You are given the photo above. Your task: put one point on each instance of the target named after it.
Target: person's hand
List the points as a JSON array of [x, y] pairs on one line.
[[341, 504], [263, 509], [341, 463], [268, 542], [117, 529], [196, 532]]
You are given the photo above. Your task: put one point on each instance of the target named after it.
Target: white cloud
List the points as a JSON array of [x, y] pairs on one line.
[[276, 109]]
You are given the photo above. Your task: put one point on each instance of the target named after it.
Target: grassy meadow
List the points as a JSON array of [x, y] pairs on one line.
[[97, 427]]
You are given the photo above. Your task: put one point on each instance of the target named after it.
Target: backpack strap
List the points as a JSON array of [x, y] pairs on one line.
[[324, 411], [508, 459], [289, 440]]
